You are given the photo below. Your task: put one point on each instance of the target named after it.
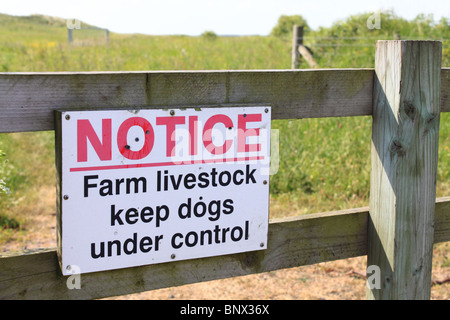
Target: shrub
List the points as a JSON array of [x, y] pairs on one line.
[[285, 25], [209, 35]]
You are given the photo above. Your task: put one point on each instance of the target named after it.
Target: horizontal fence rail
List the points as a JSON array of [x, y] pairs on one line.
[[292, 242], [29, 99]]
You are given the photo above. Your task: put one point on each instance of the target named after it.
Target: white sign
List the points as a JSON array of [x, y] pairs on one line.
[[151, 186]]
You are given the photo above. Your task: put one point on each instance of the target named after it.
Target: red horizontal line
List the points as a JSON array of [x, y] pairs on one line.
[[164, 164]]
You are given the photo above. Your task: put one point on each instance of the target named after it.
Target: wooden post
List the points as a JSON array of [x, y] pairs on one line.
[[69, 35], [406, 112], [297, 39], [304, 52]]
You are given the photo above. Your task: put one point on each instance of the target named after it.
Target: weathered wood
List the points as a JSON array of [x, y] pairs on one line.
[[445, 90], [297, 39], [292, 242], [405, 137], [27, 100], [307, 56], [442, 220]]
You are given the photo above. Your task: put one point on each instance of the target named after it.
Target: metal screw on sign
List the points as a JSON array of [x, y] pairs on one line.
[[173, 256], [172, 112], [266, 110], [65, 197], [67, 117]]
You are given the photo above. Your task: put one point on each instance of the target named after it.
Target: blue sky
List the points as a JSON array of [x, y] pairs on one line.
[[192, 17]]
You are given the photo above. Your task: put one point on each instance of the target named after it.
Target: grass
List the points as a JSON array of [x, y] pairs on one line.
[[324, 163], [138, 52]]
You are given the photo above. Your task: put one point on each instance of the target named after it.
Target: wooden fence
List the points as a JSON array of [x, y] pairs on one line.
[[404, 94]]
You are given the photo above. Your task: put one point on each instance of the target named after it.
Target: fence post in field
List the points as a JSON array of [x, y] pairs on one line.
[[70, 35], [299, 49], [297, 39], [406, 113]]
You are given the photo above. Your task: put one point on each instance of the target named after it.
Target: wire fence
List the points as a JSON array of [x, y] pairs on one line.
[[318, 41]]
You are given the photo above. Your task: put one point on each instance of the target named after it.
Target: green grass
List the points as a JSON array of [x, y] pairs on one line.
[[137, 52], [324, 163]]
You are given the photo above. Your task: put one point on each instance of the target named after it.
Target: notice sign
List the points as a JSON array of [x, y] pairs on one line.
[[139, 187]]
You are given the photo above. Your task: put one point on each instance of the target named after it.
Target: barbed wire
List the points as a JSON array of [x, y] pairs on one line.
[[338, 41], [342, 45], [374, 38]]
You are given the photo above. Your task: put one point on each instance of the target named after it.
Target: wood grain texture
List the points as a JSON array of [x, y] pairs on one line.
[[405, 138], [445, 90], [442, 220], [292, 242], [27, 100]]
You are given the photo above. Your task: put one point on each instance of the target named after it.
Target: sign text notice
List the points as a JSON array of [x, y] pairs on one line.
[[150, 186]]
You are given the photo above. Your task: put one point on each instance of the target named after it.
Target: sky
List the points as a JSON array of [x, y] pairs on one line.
[[224, 17]]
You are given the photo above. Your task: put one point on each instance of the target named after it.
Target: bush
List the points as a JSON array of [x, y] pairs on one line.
[[209, 35], [286, 24]]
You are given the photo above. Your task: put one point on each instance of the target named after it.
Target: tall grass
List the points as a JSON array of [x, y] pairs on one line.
[[324, 163], [138, 52]]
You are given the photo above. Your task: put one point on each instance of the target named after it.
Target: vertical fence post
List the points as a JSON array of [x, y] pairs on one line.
[[297, 39], [405, 132], [69, 35]]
